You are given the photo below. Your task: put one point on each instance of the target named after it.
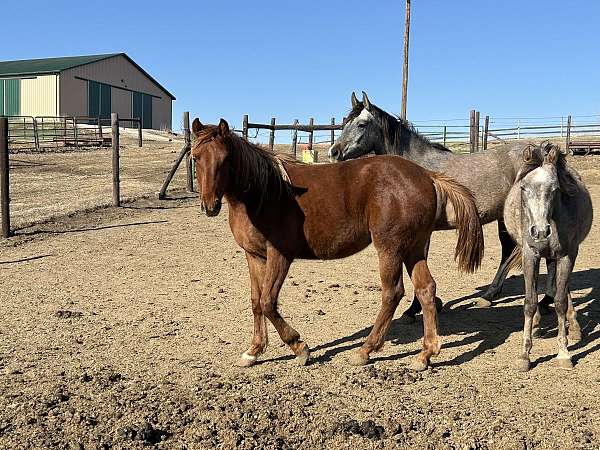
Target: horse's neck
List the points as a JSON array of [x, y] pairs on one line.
[[423, 153]]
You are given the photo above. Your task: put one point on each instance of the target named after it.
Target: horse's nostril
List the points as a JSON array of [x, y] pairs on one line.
[[548, 230], [533, 231], [333, 152]]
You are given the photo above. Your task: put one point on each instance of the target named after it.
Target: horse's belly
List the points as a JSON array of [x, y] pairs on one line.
[[334, 243]]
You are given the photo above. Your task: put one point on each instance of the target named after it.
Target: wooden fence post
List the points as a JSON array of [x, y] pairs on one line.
[[4, 177], [568, 139], [114, 123], [75, 134], [139, 127], [471, 125], [486, 127], [444, 135], [187, 136], [332, 131], [36, 136], [476, 131], [311, 124], [272, 134], [295, 139], [245, 127]]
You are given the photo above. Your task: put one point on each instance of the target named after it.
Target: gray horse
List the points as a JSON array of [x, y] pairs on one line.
[[489, 175], [548, 212]]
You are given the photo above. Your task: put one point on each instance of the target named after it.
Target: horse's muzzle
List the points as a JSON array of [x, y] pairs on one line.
[[212, 211]]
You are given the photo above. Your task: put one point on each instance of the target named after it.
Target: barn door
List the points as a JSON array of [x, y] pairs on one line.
[[99, 100], [136, 105], [12, 92], [147, 111], [1, 97]]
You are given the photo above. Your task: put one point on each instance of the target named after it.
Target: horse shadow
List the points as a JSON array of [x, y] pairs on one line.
[[488, 327]]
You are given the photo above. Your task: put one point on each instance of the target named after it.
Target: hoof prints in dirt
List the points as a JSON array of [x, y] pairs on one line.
[[367, 429], [145, 432]]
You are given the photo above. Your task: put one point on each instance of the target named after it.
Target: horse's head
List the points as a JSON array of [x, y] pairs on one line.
[[361, 133], [539, 191], [212, 172]]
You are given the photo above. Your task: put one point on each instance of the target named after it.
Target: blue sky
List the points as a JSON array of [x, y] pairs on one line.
[[296, 60]]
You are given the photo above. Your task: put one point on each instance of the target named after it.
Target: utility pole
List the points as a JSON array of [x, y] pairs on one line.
[[405, 68]]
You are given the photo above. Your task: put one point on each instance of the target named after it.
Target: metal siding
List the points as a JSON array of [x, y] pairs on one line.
[[115, 71], [121, 103], [38, 96]]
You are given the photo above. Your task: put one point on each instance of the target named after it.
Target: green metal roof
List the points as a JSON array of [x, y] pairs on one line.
[[47, 65], [43, 66]]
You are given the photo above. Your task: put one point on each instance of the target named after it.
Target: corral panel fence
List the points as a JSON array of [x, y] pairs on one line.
[[40, 186], [52, 133]]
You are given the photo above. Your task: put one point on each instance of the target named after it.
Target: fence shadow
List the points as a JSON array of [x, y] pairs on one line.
[[488, 327], [85, 230], [31, 258]]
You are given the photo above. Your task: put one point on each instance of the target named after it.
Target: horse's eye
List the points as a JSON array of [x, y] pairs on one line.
[[361, 125]]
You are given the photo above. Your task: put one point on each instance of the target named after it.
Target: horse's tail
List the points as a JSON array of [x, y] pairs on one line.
[[469, 248], [515, 260]]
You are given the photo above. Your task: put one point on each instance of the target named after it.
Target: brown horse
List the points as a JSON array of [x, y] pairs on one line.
[[281, 210]]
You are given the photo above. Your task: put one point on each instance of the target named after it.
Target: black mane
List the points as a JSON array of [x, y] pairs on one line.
[[393, 127]]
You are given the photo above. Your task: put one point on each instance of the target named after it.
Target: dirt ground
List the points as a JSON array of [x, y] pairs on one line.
[[120, 328]]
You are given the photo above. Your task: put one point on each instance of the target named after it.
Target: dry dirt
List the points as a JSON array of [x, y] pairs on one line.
[[120, 329]]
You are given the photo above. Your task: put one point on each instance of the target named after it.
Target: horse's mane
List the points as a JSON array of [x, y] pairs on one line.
[[535, 156], [393, 127], [254, 169]]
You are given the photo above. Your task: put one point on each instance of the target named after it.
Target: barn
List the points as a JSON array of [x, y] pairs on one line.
[[93, 85]]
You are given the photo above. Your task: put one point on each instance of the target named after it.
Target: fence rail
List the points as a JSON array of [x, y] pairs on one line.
[[45, 133]]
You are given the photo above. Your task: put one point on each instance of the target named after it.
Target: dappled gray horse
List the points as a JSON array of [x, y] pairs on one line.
[[548, 212], [489, 175]]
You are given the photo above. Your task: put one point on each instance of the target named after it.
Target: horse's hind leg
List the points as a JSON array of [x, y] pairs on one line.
[[494, 289], [574, 328], [256, 267], [392, 290], [550, 288], [564, 267], [276, 270], [408, 316], [424, 285]]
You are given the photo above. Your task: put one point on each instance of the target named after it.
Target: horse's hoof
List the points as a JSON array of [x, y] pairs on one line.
[[564, 363], [405, 319], [491, 294], [522, 365], [438, 304], [483, 303], [418, 366], [358, 358], [574, 336], [304, 357], [247, 360]]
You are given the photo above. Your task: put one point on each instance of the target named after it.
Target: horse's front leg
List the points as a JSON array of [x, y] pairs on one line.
[[564, 267], [276, 270], [256, 267], [494, 289], [531, 267]]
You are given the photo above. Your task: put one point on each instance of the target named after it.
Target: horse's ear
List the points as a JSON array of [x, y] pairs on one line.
[[197, 127], [552, 155], [366, 102], [354, 100], [527, 154], [223, 127]]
